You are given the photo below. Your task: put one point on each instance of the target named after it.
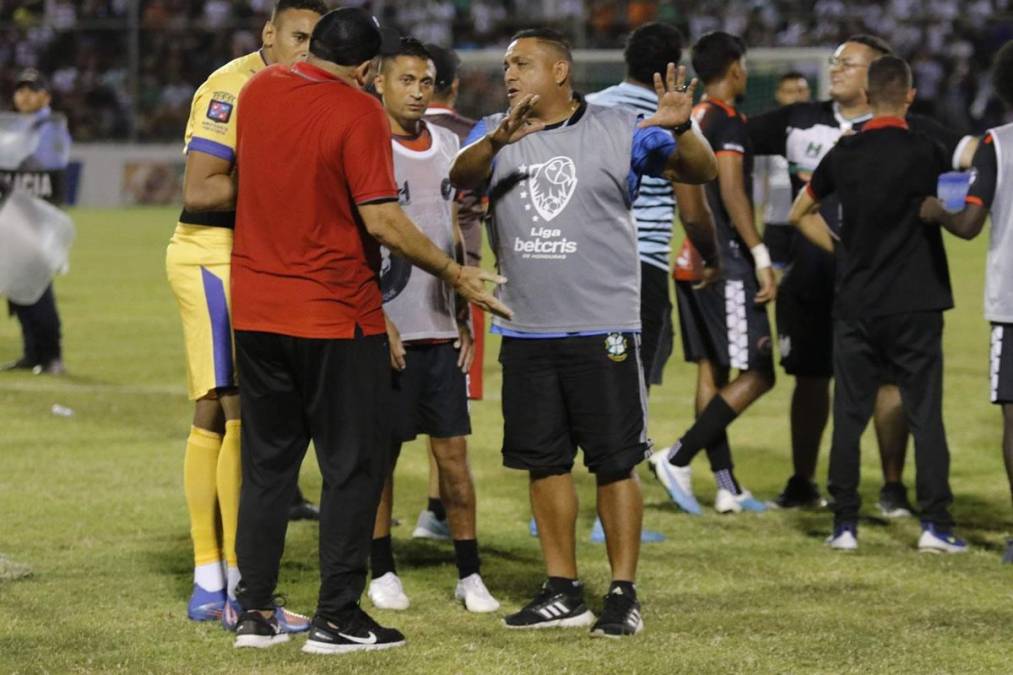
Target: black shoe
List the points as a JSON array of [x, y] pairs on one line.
[[1007, 558], [358, 634], [620, 617], [799, 493], [893, 501], [552, 609], [20, 364], [304, 510], [54, 367], [255, 630]]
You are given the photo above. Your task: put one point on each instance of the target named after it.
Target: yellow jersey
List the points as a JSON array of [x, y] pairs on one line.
[[211, 128]]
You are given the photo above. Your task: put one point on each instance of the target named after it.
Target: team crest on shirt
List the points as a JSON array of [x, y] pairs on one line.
[[617, 347], [395, 272], [550, 186], [219, 111]]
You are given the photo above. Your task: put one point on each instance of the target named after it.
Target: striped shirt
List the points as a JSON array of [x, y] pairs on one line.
[[654, 208]]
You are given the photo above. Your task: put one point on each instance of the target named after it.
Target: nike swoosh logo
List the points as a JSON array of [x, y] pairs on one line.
[[371, 640]]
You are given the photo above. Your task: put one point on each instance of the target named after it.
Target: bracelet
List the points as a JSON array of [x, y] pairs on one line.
[[761, 256], [683, 128]]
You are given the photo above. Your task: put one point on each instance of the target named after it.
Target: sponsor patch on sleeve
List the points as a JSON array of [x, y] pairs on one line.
[[220, 111]]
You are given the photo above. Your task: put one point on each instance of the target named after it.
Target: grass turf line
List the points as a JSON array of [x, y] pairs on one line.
[[94, 504]]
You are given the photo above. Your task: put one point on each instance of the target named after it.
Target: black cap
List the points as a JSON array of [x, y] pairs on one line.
[[30, 77], [447, 62], [347, 36]]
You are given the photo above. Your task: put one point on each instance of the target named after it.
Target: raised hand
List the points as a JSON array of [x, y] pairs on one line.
[[675, 99], [517, 123]]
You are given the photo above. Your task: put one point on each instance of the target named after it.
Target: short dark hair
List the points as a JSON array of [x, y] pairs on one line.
[[447, 62], [791, 75], [714, 53], [552, 37], [876, 44], [348, 37], [1002, 73], [889, 80], [318, 6], [650, 48], [406, 46]]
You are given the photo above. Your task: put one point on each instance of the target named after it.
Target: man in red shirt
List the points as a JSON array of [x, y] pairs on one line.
[[317, 197]]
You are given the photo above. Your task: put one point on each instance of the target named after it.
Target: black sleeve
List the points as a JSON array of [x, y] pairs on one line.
[[948, 139], [984, 173], [730, 136], [822, 184], [769, 131]]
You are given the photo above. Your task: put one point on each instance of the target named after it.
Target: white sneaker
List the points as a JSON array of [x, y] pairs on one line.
[[677, 480], [428, 526], [388, 593], [726, 502], [476, 597], [843, 539]]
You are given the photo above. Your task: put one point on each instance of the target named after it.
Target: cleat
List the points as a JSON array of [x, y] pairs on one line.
[[550, 609], [476, 597], [844, 538], [288, 621], [798, 493], [726, 502], [646, 536], [388, 593], [893, 501], [256, 630], [230, 614], [677, 480], [358, 634], [939, 541], [533, 527], [21, 364], [429, 526], [620, 617], [205, 605]]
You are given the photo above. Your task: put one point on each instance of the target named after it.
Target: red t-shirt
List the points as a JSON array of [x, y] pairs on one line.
[[309, 147]]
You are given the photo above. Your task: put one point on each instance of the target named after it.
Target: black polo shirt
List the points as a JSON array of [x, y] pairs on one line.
[[890, 261]]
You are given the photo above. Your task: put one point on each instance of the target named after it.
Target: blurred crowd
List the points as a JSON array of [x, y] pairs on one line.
[[85, 45]]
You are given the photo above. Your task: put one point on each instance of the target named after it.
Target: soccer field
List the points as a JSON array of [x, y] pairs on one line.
[[93, 502]]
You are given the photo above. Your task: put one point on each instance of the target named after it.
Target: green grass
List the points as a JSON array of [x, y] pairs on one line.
[[94, 504]]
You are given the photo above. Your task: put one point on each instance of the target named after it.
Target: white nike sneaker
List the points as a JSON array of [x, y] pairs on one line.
[[726, 502], [428, 526], [677, 480], [476, 597], [388, 593], [844, 538]]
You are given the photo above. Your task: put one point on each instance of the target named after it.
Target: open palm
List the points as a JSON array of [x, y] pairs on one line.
[[675, 99]]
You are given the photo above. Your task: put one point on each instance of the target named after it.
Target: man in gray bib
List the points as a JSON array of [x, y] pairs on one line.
[[562, 176]]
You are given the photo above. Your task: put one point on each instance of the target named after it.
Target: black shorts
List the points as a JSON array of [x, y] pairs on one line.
[[722, 324], [656, 335], [430, 396], [1001, 368], [805, 335], [562, 393]]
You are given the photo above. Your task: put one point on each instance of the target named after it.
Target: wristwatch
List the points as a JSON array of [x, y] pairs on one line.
[[683, 128]]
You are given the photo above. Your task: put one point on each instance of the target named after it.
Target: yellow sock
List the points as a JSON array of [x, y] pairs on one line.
[[199, 468], [230, 479]]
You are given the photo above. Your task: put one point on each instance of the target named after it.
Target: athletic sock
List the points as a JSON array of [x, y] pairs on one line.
[[381, 557], [209, 576], [229, 479], [571, 588], [726, 481], [466, 555], [705, 431], [436, 506], [199, 468], [232, 579], [719, 453], [627, 588]]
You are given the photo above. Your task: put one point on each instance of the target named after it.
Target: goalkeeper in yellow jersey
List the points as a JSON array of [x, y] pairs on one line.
[[197, 264]]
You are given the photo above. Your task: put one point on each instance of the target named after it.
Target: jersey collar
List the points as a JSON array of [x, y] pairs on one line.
[[848, 124], [885, 122], [311, 72]]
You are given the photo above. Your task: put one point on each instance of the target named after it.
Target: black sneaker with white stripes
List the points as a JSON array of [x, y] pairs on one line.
[[358, 633], [256, 630], [620, 617], [552, 609]]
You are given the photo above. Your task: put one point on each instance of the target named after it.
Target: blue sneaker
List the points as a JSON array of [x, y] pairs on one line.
[[533, 527], [646, 536], [677, 481], [205, 605], [844, 538], [288, 621], [935, 540]]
